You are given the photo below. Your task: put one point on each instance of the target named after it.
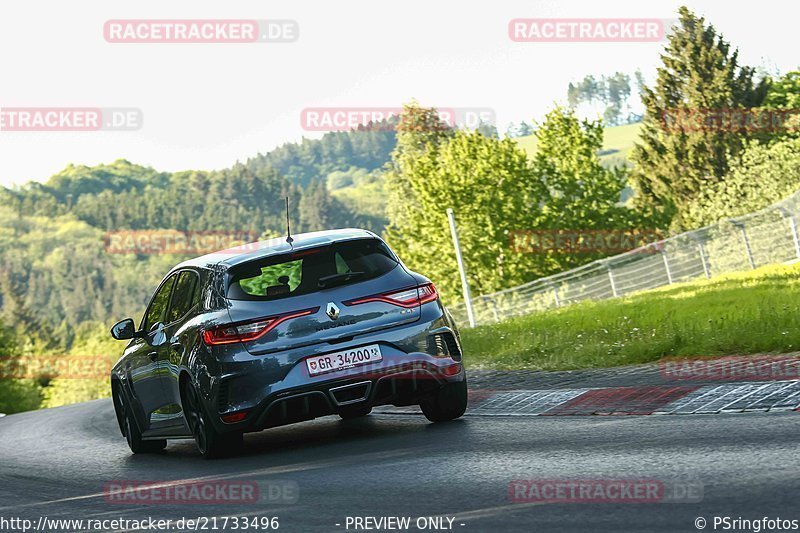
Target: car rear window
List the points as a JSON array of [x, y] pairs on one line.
[[302, 272]]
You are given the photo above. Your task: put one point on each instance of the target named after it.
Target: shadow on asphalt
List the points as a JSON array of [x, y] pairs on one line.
[[325, 439]]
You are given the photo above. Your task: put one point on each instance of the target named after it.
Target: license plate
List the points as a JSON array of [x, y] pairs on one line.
[[333, 362]]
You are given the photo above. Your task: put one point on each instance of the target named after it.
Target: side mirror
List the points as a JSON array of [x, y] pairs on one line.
[[124, 330]]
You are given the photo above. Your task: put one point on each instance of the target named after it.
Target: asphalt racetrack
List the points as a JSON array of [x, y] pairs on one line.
[[56, 463]]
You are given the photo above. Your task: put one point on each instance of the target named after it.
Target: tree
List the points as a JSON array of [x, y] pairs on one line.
[[497, 192], [580, 190], [766, 174], [784, 94], [524, 129], [487, 181], [700, 72], [618, 91], [612, 92], [582, 194], [318, 210]]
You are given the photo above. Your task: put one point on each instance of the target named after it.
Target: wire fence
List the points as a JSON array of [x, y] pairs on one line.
[[765, 237]]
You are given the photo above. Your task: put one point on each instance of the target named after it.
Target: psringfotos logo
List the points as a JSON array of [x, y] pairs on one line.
[[205, 31], [385, 118], [588, 30], [70, 119]]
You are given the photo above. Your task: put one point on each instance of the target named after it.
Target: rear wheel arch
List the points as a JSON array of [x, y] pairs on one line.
[[183, 379]]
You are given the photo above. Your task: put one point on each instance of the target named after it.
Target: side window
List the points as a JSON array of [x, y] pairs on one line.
[[158, 306], [183, 297]]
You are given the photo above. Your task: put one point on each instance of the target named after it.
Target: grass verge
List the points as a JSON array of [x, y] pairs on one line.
[[743, 313]]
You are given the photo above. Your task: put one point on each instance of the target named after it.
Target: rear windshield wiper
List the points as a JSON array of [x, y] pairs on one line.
[[334, 279]]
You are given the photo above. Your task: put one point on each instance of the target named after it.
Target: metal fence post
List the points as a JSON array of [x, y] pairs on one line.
[[666, 265], [746, 241], [494, 310], [702, 249], [611, 280], [793, 226], [555, 294], [461, 271]]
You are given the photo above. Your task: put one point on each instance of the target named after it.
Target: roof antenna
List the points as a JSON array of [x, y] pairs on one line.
[[288, 228]]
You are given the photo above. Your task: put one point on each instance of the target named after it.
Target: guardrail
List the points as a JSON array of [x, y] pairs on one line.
[[764, 237]]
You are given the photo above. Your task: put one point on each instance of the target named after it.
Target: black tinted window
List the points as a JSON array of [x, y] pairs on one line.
[[304, 271], [158, 306], [182, 296]]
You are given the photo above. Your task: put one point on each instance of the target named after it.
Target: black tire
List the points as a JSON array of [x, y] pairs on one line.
[[349, 413], [210, 443], [131, 430], [448, 403]]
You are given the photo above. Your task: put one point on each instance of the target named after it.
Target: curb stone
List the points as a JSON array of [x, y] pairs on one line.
[[629, 390]]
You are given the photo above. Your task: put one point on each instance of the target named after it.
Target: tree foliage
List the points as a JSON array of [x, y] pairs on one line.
[[613, 93], [767, 174], [700, 72], [496, 192]]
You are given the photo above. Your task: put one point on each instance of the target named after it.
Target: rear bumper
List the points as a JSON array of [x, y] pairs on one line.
[[274, 390], [402, 385]]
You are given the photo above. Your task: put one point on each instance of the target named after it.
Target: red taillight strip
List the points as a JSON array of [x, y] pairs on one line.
[[432, 295], [272, 323], [386, 297]]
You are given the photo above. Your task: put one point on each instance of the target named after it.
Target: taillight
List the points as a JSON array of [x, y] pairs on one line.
[[406, 298], [427, 293], [249, 331]]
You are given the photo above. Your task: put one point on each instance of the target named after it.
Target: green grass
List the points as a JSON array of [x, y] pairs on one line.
[[617, 143], [736, 314]]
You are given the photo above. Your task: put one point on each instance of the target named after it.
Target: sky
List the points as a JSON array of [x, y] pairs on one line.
[[207, 105]]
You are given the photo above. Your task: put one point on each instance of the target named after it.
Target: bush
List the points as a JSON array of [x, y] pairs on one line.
[[17, 395], [766, 174], [67, 391]]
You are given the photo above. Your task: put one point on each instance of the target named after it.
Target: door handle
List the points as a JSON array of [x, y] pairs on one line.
[[177, 347], [153, 355]]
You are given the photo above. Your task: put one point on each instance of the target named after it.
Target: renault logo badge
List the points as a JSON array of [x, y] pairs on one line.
[[332, 311]]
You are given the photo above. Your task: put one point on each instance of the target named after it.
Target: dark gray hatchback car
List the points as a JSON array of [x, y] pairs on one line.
[[273, 333]]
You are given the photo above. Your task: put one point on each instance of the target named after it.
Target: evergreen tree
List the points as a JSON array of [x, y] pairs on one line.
[[700, 72]]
